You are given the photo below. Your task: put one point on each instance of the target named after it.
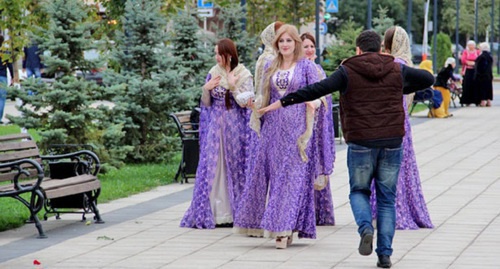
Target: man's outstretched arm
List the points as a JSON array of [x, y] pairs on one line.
[[416, 79], [337, 81]]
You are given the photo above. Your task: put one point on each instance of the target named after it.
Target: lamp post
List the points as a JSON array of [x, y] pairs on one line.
[[475, 20], [492, 27], [244, 20], [318, 54], [408, 19], [369, 15], [457, 56], [434, 35]]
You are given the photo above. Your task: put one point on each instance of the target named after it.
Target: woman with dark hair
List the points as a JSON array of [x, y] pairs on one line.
[[224, 141], [323, 201], [411, 209], [278, 199]]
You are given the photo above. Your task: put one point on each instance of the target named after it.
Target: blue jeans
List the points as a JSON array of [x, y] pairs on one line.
[[382, 165], [33, 72], [3, 95], [30, 72]]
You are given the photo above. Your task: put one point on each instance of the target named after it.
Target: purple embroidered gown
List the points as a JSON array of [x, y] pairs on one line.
[[224, 147], [279, 196], [323, 200], [411, 209]]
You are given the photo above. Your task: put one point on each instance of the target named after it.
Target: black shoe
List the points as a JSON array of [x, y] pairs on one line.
[[384, 261], [366, 243], [224, 225]]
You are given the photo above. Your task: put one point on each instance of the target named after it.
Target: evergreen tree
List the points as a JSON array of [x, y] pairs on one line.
[[232, 18], [63, 110], [147, 86], [443, 49], [344, 48], [194, 53], [381, 23]]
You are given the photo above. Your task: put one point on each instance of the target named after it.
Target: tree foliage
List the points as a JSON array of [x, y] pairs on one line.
[[232, 28], [382, 22], [443, 49], [467, 18], [17, 26], [64, 112], [344, 48], [146, 88], [193, 52], [261, 13]]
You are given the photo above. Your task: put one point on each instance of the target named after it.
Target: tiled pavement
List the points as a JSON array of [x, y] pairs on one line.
[[459, 160]]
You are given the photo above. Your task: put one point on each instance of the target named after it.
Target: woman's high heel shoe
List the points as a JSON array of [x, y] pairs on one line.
[[281, 242]]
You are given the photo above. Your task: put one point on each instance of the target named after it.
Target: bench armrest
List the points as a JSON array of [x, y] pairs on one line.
[[22, 167], [83, 156]]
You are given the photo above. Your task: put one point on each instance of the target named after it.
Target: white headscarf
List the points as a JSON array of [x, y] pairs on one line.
[[471, 42], [449, 61], [401, 45], [484, 46], [267, 36]]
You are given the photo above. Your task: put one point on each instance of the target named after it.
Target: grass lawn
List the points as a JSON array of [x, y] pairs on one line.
[[420, 107], [130, 179]]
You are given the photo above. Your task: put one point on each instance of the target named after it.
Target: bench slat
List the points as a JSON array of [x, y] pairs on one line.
[[13, 156], [15, 137], [73, 189], [18, 145], [9, 169], [48, 184], [10, 176]]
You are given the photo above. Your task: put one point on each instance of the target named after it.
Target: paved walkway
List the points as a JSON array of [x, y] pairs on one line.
[[459, 160]]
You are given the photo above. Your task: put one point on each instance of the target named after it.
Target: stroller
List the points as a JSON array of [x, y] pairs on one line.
[[455, 87]]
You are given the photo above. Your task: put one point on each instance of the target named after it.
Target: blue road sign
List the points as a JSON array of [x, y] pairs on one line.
[[203, 4], [323, 28], [332, 6]]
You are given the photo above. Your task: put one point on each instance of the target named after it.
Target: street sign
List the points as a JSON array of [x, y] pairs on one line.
[[332, 6], [323, 28], [203, 4], [206, 12]]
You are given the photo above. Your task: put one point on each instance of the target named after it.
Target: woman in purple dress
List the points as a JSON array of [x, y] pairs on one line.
[[411, 209], [224, 139], [279, 195], [323, 200]]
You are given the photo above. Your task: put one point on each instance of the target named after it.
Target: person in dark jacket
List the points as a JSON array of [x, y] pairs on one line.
[[441, 84], [484, 75], [371, 89], [4, 66], [32, 63]]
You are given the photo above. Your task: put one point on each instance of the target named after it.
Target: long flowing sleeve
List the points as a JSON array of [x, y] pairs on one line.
[[205, 96], [246, 86]]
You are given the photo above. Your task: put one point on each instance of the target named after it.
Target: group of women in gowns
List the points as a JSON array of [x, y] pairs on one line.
[[269, 175]]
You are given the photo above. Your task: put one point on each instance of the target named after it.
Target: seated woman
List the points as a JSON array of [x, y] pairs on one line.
[[430, 93], [441, 84]]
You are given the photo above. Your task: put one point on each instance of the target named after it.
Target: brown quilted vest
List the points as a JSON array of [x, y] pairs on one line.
[[372, 106]]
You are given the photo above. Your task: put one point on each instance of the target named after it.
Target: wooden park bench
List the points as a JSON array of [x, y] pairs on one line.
[[55, 182]]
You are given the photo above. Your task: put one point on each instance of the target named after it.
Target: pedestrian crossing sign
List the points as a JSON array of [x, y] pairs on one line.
[[332, 6]]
